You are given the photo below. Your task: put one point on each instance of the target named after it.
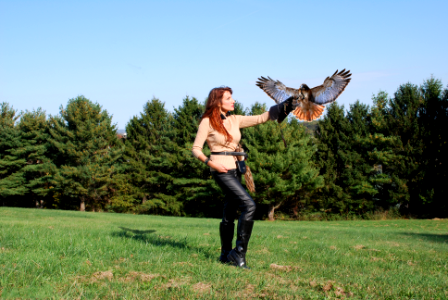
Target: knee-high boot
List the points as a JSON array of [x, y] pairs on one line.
[[238, 254], [226, 231]]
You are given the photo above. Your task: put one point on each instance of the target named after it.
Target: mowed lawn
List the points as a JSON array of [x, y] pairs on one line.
[[77, 255]]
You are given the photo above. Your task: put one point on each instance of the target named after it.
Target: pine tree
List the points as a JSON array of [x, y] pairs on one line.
[[383, 153], [332, 142], [434, 120], [38, 169], [280, 173], [150, 156], [87, 152], [12, 180], [355, 176], [403, 121]]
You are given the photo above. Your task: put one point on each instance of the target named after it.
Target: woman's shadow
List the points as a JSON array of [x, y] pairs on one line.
[[147, 236]]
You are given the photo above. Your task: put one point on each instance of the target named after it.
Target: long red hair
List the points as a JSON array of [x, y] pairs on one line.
[[213, 110]]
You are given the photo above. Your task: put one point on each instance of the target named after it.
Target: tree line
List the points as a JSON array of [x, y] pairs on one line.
[[386, 157]]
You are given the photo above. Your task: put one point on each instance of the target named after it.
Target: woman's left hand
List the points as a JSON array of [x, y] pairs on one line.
[[218, 167]]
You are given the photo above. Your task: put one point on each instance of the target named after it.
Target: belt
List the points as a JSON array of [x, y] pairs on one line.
[[231, 153]]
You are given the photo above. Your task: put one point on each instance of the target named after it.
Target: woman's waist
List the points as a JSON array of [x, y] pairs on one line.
[[222, 157]]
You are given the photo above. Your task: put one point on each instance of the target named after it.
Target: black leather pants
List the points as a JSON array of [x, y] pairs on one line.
[[235, 197]]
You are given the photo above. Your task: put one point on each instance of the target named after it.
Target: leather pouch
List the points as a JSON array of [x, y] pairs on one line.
[[241, 166]]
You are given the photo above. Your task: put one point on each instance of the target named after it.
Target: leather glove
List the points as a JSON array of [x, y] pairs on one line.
[[280, 111]]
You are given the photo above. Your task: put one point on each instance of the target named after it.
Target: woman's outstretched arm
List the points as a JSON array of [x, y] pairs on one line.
[[249, 121], [278, 113]]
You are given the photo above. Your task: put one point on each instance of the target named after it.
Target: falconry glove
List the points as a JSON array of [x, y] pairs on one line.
[[280, 111]]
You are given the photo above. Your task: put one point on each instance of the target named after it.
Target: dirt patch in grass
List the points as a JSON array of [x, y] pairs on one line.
[[282, 237], [279, 280], [96, 277], [359, 247], [175, 283], [328, 286], [377, 259], [102, 276], [201, 287], [264, 251], [331, 288], [120, 260], [132, 276], [411, 263], [247, 293], [164, 237], [281, 268]]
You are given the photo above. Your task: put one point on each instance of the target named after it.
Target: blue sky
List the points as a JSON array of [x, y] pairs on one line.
[[123, 53]]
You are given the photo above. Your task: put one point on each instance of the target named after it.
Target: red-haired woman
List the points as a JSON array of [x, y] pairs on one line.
[[222, 133]]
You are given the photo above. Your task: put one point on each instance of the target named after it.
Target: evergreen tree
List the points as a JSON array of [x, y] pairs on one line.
[[434, 121], [12, 180], [87, 152], [38, 169], [280, 173], [332, 142], [383, 152], [403, 122], [186, 120], [355, 176], [150, 156]]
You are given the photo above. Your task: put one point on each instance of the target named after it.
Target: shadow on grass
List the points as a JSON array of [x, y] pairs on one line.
[[437, 238], [135, 231], [146, 236]]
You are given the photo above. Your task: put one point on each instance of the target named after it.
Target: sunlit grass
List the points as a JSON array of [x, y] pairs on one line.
[[66, 254]]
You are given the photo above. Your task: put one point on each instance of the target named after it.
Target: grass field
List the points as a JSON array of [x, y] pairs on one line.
[[75, 255]]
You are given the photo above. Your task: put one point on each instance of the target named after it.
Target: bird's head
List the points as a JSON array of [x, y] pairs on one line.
[[304, 87]]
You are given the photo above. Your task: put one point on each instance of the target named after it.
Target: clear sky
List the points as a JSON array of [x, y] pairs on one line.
[[123, 53]]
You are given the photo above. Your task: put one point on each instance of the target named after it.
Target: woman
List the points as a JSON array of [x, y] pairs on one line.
[[222, 133]]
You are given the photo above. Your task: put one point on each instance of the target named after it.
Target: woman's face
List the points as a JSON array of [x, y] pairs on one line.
[[227, 102]]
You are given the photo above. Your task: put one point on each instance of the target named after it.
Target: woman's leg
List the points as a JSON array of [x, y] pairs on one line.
[[237, 197], [227, 228]]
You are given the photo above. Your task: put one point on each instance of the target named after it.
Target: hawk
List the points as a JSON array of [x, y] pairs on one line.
[[308, 104]]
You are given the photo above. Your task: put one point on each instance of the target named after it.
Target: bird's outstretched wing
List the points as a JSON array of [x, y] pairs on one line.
[[331, 89], [275, 89]]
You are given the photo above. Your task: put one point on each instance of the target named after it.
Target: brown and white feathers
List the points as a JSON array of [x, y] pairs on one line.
[[308, 103]]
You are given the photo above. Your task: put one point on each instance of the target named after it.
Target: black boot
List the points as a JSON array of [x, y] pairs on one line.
[[238, 255], [226, 233]]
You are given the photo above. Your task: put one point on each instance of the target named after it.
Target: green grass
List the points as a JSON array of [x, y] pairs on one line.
[[59, 254]]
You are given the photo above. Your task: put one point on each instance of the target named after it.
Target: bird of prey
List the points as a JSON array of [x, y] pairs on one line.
[[308, 103]]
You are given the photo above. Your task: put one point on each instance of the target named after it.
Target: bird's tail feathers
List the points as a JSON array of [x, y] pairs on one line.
[[309, 113]]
